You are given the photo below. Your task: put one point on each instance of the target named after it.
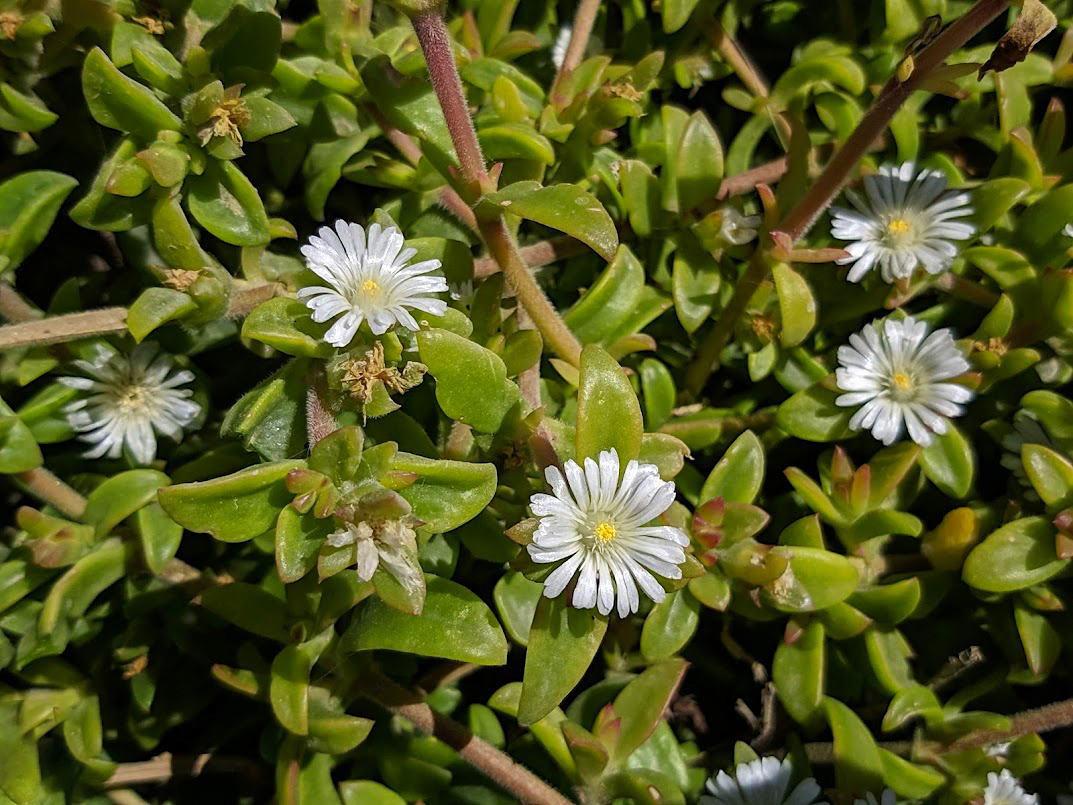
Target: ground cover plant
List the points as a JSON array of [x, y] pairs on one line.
[[536, 402]]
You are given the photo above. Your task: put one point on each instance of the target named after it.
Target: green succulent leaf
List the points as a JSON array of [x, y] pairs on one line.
[[454, 624]]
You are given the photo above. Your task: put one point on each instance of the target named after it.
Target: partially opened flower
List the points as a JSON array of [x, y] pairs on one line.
[[898, 375], [764, 781], [130, 400], [1005, 789], [737, 229], [603, 528], [370, 280], [903, 223]]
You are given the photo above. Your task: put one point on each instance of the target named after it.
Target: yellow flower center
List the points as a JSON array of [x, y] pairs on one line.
[[899, 230], [132, 398], [902, 386], [604, 532], [371, 287]]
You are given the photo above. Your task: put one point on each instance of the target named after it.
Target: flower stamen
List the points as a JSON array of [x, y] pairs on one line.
[[604, 532]]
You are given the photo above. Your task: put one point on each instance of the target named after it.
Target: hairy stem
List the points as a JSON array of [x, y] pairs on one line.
[[837, 173], [48, 488], [320, 421], [14, 308], [726, 424], [581, 31], [500, 767], [875, 121], [554, 330], [746, 70], [966, 289], [411, 151], [73, 326], [436, 46], [1042, 719], [165, 767], [534, 256]]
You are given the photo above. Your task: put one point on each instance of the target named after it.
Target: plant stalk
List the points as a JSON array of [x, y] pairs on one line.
[[746, 70], [500, 767], [39, 332], [49, 488], [581, 32], [837, 173], [436, 46]]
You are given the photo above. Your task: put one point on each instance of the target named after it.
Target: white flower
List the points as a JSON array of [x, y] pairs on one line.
[[738, 229], [131, 397], [888, 797], [558, 48], [895, 371], [760, 782], [391, 544], [1005, 789], [902, 224], [370, 281], [1068, 231], [600, 526]]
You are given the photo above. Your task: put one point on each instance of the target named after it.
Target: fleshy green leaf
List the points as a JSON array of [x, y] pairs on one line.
[[233, 508], [445, 494], [226, 203], [564, 207], [119, 102], [28, 205], [739, 473], [454, 624], [1018, 555], [608, 413], [562, 644], [471, 381], [799, 672]]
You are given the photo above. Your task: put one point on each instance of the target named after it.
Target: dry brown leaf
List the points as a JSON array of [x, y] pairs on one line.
[[1034, 23]]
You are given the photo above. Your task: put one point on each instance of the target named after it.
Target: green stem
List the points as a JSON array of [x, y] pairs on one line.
[[708, 355], [551, 325], [837, 173], [436, 46]]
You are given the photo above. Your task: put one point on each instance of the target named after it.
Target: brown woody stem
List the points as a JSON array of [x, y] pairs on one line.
[[501, 768], [837, 173], [73, 326]]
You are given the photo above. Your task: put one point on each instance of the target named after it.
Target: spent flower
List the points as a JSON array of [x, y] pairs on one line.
[[898, 375], [130, 399], [903, 223], [764, 781], [370, 280], [602, 528]]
